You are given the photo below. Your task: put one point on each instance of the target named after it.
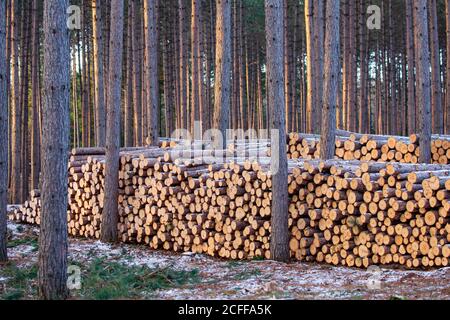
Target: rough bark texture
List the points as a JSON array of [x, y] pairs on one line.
[[151, 69], [3, 133], [447, 100], [423, 78], [436, 90], [110, 214], [183, 63], [195, 48], [128, 127], [55, 142], [331, 79], [310, 57], [411, 77], [279, 241], [16, 145], [35, 133], [222, 86], [99, 94]]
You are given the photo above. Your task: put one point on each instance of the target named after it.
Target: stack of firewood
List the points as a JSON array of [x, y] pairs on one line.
[[219, 202], [353, 146], [359, 214]]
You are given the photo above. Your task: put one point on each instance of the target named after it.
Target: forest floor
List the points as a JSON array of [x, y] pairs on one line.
[[136, 272]]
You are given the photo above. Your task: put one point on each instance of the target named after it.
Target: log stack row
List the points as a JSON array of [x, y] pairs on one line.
[[359, 213], [352, 213], [353, 146]]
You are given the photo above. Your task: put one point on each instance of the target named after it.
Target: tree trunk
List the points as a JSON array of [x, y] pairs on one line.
[[35, 132], [3, 134], [195, 44], [222, 85], [423, 78], [447, 101], [411, 76], [318, 63], [16, 145], [279, 241], [151, 69], [183, 60], [110, 216], [129, 116], [100, 114], [137, 72], [311, 102], [364, 110], [436, 95], [55, 144], [331, 79]]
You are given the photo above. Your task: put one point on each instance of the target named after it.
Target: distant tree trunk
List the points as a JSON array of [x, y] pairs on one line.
[[311, 102], [286, 63], [3, 134], [436, 95], [222, 85], [110, 214], [364, 110], [330, 79], [76, 133], [183, 60], [423, 78], [24, 97], [35, 132], [151, 69], [352, 111], [195, 48], [318, 63], [55, 144], [447, 32], [411, 76], [100, 114], [137, 72], [129, 128], [84, 76], [16, 145], [279, 241]]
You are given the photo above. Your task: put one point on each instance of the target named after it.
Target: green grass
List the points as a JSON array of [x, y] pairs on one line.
[[101, 279], [19, 283], [247, 274], [111, 280], [28, 240]]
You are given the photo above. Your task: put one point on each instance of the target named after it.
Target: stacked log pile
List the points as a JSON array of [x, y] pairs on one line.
[[341, 212], [360, 214], [353, 146]]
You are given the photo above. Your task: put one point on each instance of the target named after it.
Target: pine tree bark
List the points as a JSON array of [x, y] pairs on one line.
[[311, 102], [330, 79], [99, 94], [52, 275], [183, 62], [110, 215], [222, 85], [447, 101], [436, 95], [318, 63], [151, 69], [3, 134], [16, 123], [364, 110], [279, 241], [423, 78], [129, 116], [410, 72], [137, 72], [195, 51], [35, 132]]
